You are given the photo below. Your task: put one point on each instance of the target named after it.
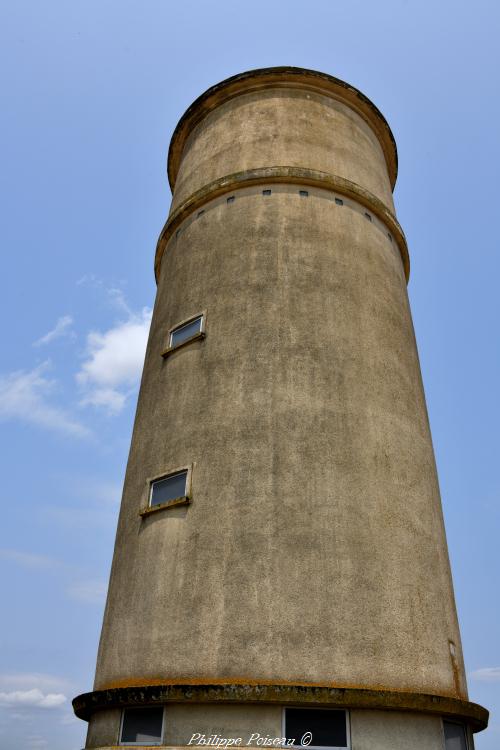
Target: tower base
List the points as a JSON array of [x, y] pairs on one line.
[[237, 715]]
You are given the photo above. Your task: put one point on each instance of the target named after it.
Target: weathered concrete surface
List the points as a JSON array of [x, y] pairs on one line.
[[379, 730], [104, 728], [314, 548], [183, 721]]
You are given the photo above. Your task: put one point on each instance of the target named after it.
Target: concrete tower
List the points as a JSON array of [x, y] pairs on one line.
[[281, 564]]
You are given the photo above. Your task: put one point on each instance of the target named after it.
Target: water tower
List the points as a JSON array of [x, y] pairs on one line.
[[281, 568]]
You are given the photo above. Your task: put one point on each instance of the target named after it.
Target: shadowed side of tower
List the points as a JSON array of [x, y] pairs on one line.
[[280, 550]]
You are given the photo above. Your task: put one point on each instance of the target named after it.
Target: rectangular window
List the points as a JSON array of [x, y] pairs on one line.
[[183, 333], [169, 488], [454, 736], [142, 726], [339, 201], [317, 727]]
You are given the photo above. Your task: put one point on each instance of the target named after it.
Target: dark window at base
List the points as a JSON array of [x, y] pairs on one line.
[[142, 726], [454, 736], [328, 727]]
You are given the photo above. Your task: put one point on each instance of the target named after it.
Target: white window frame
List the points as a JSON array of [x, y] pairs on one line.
[[176, 501], [460, 724], [320, 708], [143, 742], [199, 335]]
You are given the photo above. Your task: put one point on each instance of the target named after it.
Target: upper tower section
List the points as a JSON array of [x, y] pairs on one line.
[[287, 125]]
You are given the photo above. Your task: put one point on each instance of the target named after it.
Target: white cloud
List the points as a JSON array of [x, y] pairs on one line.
[[114, 361], [24, 396], [32, 698], [89, 592], [61, 328], [486, 674], [110, 399]]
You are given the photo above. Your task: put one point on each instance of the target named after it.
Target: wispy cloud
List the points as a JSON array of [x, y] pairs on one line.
[[89, 279], [88, 503], [71, 577], [93, 493], [117, 298], [486, 674], [102, 492], [114, 360], [25, 396], [61, 328], [28, 560], [36, 742], [74, 517], [88, 592], [29, 680]]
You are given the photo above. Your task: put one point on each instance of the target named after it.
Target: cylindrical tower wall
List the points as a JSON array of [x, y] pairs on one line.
[[312, 551]]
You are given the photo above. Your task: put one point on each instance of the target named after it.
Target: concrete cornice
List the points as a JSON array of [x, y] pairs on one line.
[[291, 694], [282, 175], [282, 77]]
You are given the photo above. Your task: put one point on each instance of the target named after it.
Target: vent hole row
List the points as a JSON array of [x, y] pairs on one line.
[[302, 193]]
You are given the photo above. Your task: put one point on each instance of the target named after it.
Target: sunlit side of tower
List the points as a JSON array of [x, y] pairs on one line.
[[281, 562]]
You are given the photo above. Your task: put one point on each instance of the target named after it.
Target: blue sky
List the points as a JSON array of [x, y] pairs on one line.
[[91, 92]]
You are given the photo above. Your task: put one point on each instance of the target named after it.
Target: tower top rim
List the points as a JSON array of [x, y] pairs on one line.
[[281, 77]]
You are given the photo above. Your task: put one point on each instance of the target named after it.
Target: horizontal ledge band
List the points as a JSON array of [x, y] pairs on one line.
[[283, 175], [314, 695]]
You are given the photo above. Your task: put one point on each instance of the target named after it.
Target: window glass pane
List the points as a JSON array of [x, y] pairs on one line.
[[328, 727], [142, 725], [185, 332], [454, 736], [168, 488]]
